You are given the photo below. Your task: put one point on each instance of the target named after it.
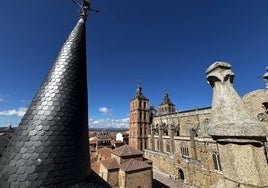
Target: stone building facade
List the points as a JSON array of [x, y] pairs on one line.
[[182, 144], [179, 145]]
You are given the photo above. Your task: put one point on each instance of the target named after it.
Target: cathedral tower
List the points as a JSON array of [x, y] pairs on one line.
[[139, 127], [166, 107]]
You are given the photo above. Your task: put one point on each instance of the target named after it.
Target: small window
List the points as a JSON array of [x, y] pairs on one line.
[[168, 146], [145, 145], [216, 161], [145, 130], [184, 151], [157, 145]]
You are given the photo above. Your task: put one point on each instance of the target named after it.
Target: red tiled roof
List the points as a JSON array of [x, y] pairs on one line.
[[110, 164], [105, 152], [126, 150], [95, 167], [125, 133], [133, 164], [92, 142], [118, 141]]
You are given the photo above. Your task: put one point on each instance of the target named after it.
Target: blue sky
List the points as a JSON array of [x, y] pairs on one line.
[[165, 45]]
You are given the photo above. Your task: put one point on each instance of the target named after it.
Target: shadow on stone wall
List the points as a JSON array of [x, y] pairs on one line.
[[158, 184]]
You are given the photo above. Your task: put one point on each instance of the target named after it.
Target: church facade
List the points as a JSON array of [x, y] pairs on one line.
[[182, 144]]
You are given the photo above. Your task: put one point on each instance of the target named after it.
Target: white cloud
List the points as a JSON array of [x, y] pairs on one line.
[[104, 110], [24, 101], [104, 123], [20, 112], [1, 100]]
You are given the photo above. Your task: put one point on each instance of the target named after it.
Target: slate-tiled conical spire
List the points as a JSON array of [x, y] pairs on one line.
[[50, 146]]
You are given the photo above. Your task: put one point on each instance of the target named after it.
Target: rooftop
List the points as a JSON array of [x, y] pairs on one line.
[[133, 164], [126, 150], [110, 164], [106, 152]]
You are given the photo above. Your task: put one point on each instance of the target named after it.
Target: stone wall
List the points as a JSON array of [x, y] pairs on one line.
[[257, 103], [141, 179], [164, 162], [113, 177], [103, 173], [110, 176]]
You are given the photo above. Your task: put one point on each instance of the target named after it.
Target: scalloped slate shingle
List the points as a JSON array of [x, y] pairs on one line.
[[50, 146]]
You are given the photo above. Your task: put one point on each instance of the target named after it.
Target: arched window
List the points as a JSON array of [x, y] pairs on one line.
[[166, 132], [216, 161], [185, 151], [177, 130], [168, 146], [157, 145], [181, 175], [206, 122]]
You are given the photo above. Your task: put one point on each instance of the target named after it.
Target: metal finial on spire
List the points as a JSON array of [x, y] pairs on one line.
[[139, 90], [85, 8]]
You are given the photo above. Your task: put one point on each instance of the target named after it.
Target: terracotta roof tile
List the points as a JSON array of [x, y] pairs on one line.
[[125, 133], [133, 164], [92, 142], [110, 164], [126, 150], [105, 152], [118, 141], [95, 167]]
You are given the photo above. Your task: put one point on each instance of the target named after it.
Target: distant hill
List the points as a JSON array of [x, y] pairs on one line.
[[108, 129]]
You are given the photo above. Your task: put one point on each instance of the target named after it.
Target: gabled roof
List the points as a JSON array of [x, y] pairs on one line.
[[126, 150], [133, 164], [106, 152], [110, 164]]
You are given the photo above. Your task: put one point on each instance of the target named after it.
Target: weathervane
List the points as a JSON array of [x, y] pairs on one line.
[[85, 8]]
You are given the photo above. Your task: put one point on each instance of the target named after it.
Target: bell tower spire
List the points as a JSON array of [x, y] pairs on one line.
[[166, 107], [50, 145]]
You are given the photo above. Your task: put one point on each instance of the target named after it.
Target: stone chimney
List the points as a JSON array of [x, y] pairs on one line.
[[239, 135]]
